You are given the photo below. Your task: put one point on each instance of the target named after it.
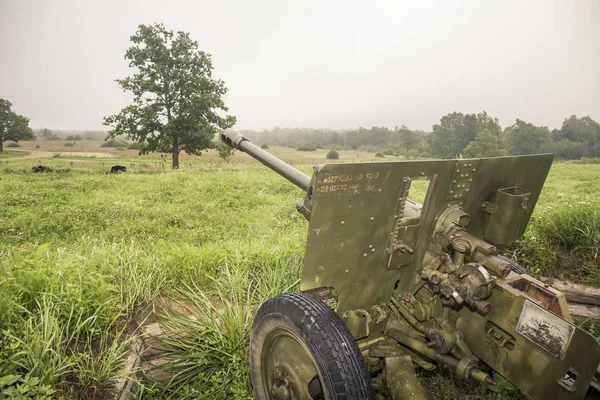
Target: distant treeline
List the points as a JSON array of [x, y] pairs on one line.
[[457, 134], [45, 133]]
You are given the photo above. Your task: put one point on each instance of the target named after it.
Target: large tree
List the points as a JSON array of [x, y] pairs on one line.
[[452, 135], [584, 130], [13, 126], [177, 104], [409, 140], [489, 141], [526, 138], [486, 144]]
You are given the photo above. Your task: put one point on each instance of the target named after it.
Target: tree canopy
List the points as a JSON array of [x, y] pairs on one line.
[[486, 144], [452, 135], [177, 104], [526, 138], [578, 137], [13, 126], [489, 141]]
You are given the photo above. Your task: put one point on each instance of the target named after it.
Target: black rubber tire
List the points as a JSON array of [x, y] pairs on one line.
[[342, 369]]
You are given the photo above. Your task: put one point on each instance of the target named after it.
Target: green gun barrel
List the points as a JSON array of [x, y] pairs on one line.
[[238, 141]]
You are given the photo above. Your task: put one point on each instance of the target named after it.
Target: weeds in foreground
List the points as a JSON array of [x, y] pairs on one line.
[[51, 354], [205, 347], [204, 350]]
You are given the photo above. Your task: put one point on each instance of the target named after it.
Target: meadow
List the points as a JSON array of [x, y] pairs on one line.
[[130, 155], [84, 255]]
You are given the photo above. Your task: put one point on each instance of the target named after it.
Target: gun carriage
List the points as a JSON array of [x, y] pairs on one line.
[[388, 284]]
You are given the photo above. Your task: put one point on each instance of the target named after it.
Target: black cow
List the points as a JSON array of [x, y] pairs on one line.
[[118, 168]]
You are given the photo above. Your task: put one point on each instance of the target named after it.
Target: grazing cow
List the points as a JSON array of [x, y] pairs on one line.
[[40, 168], [118, 168]]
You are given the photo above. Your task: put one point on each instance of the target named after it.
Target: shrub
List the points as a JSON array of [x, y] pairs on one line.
[[307, 147], [588, 160], [37, 146], [333, 155], [13, 145], [264, 146], [224, 151], [115, 143], [74, 137], [68, 144], [134, 146], [37, 168], [379, 155], [388, 152]]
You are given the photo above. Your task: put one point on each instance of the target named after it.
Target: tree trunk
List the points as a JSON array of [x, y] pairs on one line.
[[1, 144], [175, 152]]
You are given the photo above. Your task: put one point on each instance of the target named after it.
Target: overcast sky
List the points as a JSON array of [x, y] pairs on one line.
[[331, 64]]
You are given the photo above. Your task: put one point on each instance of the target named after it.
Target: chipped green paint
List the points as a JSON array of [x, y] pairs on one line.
[[318, 282]]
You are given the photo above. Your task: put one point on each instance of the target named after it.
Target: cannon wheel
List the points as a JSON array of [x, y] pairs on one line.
[[301, 349]]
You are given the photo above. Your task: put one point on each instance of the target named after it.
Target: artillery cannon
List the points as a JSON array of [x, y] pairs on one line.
[[388, 284]]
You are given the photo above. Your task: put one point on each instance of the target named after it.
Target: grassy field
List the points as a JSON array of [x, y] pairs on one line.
[[83, 253], [131, 156], [563, 237], [12, 153]]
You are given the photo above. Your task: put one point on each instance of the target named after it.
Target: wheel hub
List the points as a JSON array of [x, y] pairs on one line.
[[281, 388]]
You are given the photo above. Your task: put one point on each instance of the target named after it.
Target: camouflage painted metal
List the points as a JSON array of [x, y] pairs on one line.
[[427, 282]]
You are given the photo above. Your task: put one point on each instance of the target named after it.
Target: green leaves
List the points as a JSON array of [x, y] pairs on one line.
[[486, 144], [454, 132], [13, 126], [177, 105], [526, 138], [206, 347], [469, 134], [17, 387], [224, 151]]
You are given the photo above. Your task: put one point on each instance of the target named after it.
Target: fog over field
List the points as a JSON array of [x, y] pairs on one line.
[[334, 64]]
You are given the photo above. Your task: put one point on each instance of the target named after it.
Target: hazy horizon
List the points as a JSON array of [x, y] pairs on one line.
[[338, 65]]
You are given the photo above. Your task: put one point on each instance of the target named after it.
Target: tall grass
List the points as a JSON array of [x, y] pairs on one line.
[[205, 349], [563, 237], [100, 247], [61, 351], [82, 252]]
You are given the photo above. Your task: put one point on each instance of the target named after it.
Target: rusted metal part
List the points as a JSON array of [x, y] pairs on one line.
[[545, 329], [539, 293]]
